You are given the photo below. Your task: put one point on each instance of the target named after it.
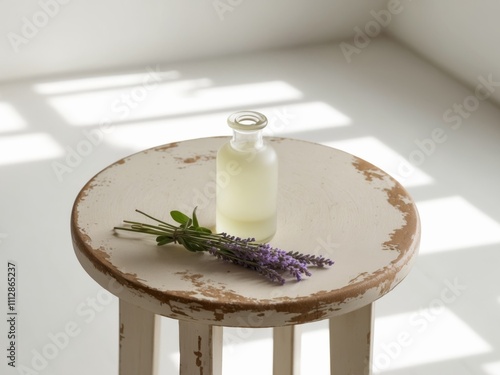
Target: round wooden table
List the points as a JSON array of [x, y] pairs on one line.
[[330, 203]]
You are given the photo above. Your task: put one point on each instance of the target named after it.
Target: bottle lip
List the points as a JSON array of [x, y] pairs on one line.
[[247, 120]]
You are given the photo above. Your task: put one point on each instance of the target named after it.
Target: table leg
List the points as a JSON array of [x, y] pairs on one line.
[[200, 349], [286, 350], [138, 337], [351, 342]]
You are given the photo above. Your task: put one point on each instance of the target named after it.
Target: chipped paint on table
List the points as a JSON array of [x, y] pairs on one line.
[[330, 203]]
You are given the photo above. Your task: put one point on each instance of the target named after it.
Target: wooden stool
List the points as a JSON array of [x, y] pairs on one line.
[[330, 203]]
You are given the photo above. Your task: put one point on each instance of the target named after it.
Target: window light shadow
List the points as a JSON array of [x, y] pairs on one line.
[[452, 223], [95, 83], [492, 368], [290, 118], [10, 118], [424, 337], [166, 99], [29, 147], [125, 104], [378, 153]]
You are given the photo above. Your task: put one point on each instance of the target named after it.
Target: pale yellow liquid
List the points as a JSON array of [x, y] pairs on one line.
[[247, 190]]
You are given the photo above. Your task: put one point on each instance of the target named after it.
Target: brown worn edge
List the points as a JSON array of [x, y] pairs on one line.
[[307, 308]]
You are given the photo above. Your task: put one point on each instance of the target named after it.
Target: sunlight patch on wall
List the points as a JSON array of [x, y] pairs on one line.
[[281, 119], [247, 95], [237, 344], [315, 347], [142, 135], [10, 119], [379, 154], [300, 117], [492, 368], [104, 82], [28, 147], [423, 337], [453, 223], [124, 104], [164, 100]]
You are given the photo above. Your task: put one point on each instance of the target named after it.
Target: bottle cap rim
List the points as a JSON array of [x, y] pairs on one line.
[[247, 120]]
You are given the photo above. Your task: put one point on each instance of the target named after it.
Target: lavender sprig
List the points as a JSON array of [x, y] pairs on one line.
[[268, 261]]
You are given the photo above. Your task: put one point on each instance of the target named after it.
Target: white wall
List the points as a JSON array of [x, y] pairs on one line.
[[62, 36], [460, 36]]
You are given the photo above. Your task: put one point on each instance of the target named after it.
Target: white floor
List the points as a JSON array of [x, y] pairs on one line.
[[439, 138]]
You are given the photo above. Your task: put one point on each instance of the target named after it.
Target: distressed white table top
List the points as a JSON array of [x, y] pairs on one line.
[[330, 203]]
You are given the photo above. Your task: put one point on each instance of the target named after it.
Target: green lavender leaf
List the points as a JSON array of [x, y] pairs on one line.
[[203, 229], [164, 240], [195, 219], [180, 217]]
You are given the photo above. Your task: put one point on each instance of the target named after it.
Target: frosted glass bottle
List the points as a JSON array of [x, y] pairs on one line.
[[247, 180]]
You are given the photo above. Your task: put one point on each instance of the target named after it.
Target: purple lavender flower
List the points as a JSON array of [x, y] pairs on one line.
[[266, 260]]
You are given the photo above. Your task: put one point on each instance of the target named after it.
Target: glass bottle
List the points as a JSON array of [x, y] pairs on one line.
[[247, 180]]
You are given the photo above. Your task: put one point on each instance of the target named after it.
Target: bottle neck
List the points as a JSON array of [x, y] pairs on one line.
[[247, 140], [247, 130]]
